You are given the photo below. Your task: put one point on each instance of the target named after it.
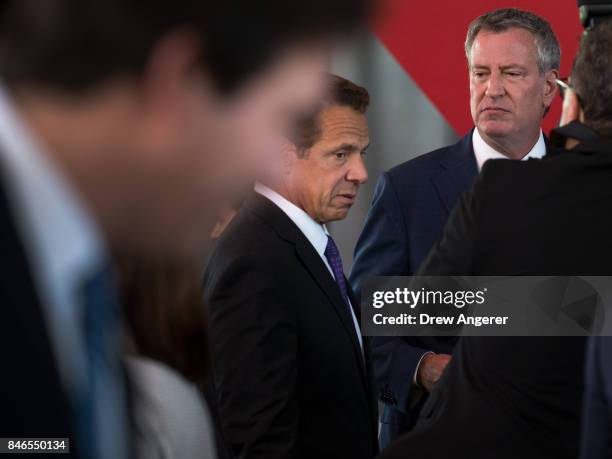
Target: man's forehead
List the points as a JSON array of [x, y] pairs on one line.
[[340, 124], [511, 44]]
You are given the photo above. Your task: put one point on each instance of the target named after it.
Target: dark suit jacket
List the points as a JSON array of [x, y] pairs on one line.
[[508, 397], [290, 378], [32, 401], [597, 419], [410, 207]]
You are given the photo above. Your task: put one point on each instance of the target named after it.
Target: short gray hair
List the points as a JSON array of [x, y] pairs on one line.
[[549, 51]]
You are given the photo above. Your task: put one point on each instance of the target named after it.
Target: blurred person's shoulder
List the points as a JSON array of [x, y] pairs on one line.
[[514, 177], [556, 174], [171, 416], [557, 161]]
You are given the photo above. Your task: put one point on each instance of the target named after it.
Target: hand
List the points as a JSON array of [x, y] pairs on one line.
[[431, 368]]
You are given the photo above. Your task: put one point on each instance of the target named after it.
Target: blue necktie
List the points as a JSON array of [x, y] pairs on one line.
[[333, 258], [100, 401]]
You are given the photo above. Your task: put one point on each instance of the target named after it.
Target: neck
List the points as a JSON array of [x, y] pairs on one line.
[[286, 192], [512, 147]]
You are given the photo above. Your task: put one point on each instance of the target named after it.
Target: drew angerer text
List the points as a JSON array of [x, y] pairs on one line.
[[426, 319], [424, 299]]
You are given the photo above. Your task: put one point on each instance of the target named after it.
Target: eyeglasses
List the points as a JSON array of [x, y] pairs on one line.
[[564, 86]]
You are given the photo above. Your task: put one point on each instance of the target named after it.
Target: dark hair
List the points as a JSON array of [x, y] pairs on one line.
[[165, 314], [592, 77], [340, 92], [73, 45]]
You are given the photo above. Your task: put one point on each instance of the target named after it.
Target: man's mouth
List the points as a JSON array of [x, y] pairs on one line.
[[494, 110], [349, 197]]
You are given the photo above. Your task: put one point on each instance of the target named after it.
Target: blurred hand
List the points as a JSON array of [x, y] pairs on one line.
[[431, 368]]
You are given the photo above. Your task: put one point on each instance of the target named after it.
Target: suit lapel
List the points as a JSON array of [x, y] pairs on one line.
[[354, 302], [367, 360], [457, 172], [313, 263], [320, 273], [287, 230]]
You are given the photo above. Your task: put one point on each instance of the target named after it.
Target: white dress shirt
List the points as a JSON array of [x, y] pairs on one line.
[[62, 244], [484, 151], [316, 233]]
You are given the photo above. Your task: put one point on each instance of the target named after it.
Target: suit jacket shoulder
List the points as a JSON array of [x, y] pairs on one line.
[[415, 168], [249, 239], [560, 199]]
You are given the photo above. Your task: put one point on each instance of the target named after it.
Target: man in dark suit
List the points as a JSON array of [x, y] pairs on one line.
[[509, 397], [291, 370], [597, 411], [597, 418], [113, 136], [511, 89]]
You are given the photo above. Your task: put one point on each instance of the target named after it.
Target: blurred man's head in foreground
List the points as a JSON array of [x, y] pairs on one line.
[[589, 99], [323, 161], [153, 109], [513, 59]]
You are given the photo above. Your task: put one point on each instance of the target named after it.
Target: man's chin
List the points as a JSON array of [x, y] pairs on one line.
[[337, 214], [495, 128]]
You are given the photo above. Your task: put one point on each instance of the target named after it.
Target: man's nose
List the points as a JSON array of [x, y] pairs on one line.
[[357, 172], [495, 86]]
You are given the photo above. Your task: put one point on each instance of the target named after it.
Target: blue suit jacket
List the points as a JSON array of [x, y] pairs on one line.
[[597, 418], [411, 205]]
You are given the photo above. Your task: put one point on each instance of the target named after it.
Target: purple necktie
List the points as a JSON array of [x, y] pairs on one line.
[[333, 257]]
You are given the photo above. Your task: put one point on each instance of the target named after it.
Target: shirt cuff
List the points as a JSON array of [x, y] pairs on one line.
[[416, 372]]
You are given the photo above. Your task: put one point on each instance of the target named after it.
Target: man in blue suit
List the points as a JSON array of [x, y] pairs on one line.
[[513, 59]]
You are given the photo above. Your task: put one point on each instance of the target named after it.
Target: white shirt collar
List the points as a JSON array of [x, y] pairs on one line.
[[315, 232], [484, 151], [61, 240]]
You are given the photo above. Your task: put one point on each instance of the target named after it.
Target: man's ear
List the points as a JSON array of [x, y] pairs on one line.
[[572, 111], [550, 87]]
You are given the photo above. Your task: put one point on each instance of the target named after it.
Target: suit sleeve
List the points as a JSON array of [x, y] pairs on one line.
[[382, 250], [254, 349], [596, 426]]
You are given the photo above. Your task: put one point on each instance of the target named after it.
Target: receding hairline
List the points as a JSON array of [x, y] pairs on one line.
[[345, 124], [501, 32], [506, 19]]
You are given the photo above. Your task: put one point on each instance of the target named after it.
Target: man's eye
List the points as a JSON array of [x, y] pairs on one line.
[[340, 155], [514, 74], [479, 74]]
